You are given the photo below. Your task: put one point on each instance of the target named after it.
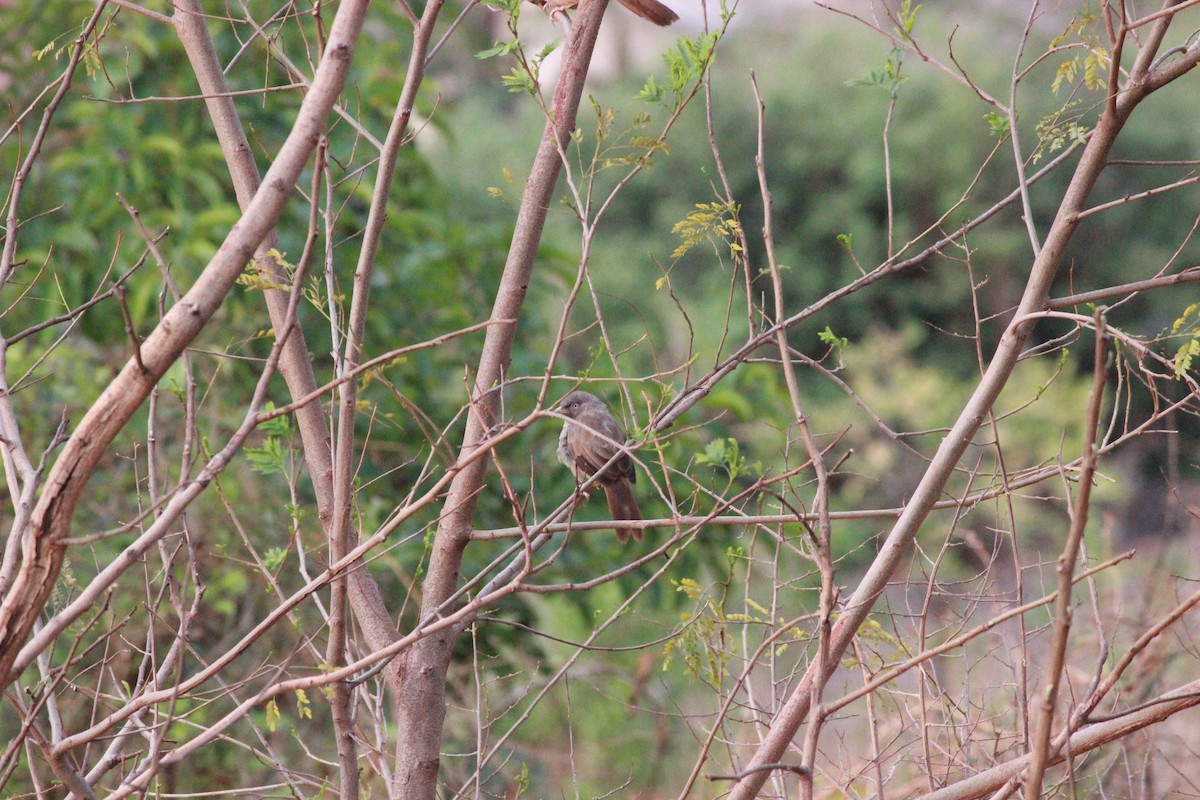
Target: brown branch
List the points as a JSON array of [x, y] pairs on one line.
[[954, 643], [78, 311], [1132, 198], [1187, 276], [1066, 571], [1171, 9], [42, 548], [803, 772], [422, 706], [294, 364], [1082, 715], [130, 331], [1045, 267], [16, 459], [15, 564], [821, 549], [1090, 738], [179, 98], [342, 534]]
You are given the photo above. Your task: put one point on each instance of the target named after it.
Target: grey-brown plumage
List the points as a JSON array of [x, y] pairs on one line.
[[651, 10], [587, 443]]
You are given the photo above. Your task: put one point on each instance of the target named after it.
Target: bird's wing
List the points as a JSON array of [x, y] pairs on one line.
[[591, 451]]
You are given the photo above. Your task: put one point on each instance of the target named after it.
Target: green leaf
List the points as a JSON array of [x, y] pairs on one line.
[[725, 454], [833, 340], [908, 17], [651, 92], [1095, 69], [499, 49], [40, 53], [1185, 318], [1184, 356], [887, 77], [998, 123], [519, 80], [718, 220], [274, 558], [686, 64], [522, 781]]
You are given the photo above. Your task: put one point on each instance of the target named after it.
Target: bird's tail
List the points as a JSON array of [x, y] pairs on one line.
[[651, 10], [623, 505]]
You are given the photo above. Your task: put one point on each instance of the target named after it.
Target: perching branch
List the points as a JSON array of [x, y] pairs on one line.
[[422, 707]]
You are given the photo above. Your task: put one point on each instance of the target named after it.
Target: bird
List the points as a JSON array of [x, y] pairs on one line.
[[590, 438], [651, 10]]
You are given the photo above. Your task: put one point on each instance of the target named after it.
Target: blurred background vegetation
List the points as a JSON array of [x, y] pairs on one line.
[[908, 354]]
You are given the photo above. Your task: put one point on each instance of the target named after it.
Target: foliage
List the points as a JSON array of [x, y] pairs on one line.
[[651, 275], [1187, 326]]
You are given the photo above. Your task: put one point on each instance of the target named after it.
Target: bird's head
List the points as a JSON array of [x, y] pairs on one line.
[[574, 403]]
